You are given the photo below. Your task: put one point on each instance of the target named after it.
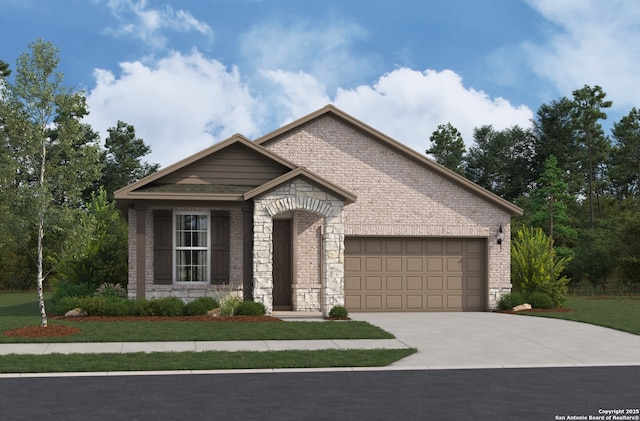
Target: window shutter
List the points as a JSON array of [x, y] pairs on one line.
[[162, 247], [220, 233]]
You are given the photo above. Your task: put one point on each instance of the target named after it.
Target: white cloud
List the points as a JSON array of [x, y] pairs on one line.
[[408, 105], [322, 49], [592, 42], [147, 25], [179, 106]]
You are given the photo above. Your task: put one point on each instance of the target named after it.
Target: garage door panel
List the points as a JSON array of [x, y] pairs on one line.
[[373, 302], [373, 283], [414, 302], [415, 274], [393, 264], [415, 264], [435, 283], [414, 283], [352, 283], [435, 264], [393, 283]]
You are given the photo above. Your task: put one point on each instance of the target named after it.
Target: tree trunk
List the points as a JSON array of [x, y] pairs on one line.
[[41, 219]]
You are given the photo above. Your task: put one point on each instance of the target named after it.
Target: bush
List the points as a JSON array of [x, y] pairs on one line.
[[64, 304], [509, 301], [536, 267], [229, 304], [141, 308], [200, 306], [539, 299], [64, 289], [111, 291], [166, 307], [250, 308], [338, 312]]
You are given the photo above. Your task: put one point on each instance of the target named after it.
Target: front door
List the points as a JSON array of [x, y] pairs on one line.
[[282, 265]]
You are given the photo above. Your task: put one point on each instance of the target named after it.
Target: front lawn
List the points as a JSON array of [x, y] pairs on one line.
[[21, 309], [621, 313]]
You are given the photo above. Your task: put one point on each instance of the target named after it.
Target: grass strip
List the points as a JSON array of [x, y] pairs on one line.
[[620, 313], [143, 331], [208, 360]]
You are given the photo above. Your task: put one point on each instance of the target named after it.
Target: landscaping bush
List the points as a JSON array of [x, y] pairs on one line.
[[65, 288], [509, 301], [64, 304], [229, 304], [141, 308], [200, 306], [338, 312], [536, 267], [111, 290], [166, 307], [250, 308], [539, 299]]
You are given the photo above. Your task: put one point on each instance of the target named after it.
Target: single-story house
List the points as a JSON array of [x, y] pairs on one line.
[[324, 211]]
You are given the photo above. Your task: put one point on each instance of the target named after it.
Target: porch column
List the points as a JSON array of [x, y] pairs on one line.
[[262, 256]]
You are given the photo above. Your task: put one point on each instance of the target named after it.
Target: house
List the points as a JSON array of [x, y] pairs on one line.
[[324, 211]]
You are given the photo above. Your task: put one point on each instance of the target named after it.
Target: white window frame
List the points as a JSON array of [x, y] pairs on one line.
[[176, 249]]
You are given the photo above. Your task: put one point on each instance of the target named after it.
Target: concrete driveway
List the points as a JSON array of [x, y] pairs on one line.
[[489, 340]]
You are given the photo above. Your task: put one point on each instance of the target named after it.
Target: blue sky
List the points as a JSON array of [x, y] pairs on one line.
[[190, 73]]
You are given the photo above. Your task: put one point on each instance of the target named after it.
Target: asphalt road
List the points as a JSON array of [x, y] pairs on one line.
[[481, 394]]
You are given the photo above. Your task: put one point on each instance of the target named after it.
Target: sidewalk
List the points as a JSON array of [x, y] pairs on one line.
[[196, 346]]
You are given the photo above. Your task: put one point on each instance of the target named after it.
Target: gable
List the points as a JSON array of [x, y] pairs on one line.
[[235, 165], [345, 121]]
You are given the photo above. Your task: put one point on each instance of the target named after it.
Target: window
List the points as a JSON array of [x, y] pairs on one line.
[[192, 252]]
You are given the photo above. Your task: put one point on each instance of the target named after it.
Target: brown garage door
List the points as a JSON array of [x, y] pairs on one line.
[[415, 274]]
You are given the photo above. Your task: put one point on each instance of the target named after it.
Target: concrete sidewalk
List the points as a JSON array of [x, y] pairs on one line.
[[196, 346]]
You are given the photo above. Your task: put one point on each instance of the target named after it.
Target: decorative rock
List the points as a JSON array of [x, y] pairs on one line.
[[522, 307], [213, 313], [76, 312]]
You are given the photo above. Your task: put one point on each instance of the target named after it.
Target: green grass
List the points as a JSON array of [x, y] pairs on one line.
[[20, 309], [213, 360], [621, 313]]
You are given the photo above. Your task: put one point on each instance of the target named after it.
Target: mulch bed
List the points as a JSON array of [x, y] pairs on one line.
[[55, 330]]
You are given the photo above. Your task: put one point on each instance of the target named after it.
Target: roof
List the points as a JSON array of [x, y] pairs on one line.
[[330, 110]]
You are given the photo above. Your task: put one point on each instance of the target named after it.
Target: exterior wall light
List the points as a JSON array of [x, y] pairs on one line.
[[499, 236]]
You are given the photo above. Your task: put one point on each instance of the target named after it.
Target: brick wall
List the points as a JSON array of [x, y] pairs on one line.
[[397, 196]]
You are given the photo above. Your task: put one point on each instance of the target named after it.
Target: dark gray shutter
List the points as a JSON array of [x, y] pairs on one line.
[[220, 229], [162, 247]]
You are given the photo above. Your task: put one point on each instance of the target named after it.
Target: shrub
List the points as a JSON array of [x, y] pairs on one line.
[[111, 291], [539, 299], [166, 307], [141, 308], [65, 288], [64, 304], [200, 306], [338, 312], [250, 308], [229, 304], [536, 267], [509, 301]]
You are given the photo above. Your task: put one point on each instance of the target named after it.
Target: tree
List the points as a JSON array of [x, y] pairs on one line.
[[500, 161], [625, 156], [4, 70], [588, 104], [50, 154], [122, 164], [447, 148], [549, 201]]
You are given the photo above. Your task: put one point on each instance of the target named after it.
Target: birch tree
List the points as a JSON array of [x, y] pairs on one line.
[[53, 155]]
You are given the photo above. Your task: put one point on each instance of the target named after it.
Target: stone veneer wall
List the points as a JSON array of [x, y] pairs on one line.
[[185, 292], [298, 194], [397, 196]]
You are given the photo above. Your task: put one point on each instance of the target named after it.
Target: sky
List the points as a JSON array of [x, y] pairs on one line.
[[190, 73]]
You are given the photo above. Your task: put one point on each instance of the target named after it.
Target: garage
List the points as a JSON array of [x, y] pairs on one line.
[[415, 274]]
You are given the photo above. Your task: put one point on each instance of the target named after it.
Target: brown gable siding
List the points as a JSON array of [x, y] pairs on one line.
[[234, 165]]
